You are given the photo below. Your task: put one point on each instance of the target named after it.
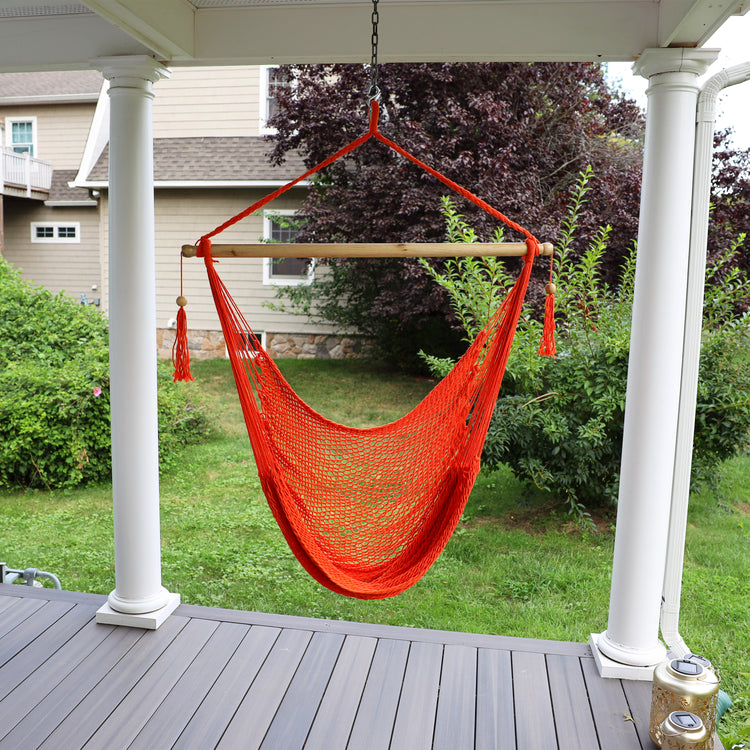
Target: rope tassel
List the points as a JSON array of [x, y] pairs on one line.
[[180, 348], [547, 344]]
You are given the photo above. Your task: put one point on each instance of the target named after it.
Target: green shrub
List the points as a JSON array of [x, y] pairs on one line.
[[54, 391], [558, 422]]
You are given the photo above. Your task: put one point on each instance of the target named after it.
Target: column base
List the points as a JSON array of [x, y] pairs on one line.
[[609, 667], [148, 620]]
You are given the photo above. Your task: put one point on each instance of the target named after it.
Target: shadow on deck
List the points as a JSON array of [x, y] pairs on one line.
[[215, 678]]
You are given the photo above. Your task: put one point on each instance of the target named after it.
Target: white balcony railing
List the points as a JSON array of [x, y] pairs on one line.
[[21, 171]]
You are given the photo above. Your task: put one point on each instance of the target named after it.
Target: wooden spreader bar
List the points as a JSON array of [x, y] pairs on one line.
[[364, 250]]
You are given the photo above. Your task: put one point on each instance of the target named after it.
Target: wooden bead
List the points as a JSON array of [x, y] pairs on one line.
[[550, 288], [182, 301]]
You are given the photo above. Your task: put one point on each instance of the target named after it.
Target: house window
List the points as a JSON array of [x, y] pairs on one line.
[[20, 135], [277, 227], [273, 79], [247, 349], [55, 231]]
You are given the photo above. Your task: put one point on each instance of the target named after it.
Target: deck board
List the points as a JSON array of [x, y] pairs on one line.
[[54, 693], [104, 679], [456, 710], [535, 722], [295, 715], [136, 708], [45, 617], [614, 723], [415, 716], [573, 723], [17, 613], [376, 716], [224, 696], [33, 687], [175, 710], [217, 678], [254, 715], [6, 602], [638, 695], [495, 720], [338, 709], [23, 657]]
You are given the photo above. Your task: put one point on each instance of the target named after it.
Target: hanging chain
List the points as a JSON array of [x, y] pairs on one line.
[[374, 92]]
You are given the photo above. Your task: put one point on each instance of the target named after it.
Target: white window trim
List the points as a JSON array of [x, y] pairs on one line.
[[9, 132], [268, 279], [56, 225], [261, 336], [263, 101]]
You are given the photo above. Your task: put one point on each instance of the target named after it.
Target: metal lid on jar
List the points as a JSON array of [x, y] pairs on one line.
[[686, 668], [685, 721]]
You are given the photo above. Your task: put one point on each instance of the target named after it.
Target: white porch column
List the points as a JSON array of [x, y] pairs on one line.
[[653, 390], [139, 599]]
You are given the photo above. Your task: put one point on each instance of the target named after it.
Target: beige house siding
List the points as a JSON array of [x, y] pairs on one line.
[[61, 130], [73, 268], [207, 102], [182, 216], [196, 106]]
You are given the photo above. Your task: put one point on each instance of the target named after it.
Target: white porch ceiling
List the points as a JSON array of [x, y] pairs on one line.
[[52, 34]]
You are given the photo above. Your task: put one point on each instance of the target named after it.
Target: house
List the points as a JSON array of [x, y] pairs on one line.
[[210, 162], [48, 229]]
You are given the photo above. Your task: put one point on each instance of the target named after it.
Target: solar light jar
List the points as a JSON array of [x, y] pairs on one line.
[[682, 730], [688, 685]]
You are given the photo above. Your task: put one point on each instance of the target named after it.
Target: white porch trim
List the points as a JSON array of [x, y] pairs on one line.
[[139, 599], [655, 365]]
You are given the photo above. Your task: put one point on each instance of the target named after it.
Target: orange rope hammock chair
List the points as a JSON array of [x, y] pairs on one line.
[[367, 511]]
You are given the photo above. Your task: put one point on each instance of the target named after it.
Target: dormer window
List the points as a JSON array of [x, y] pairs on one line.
[[273, 79], [20, 135]]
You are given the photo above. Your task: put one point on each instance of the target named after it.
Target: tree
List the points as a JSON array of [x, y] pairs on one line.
[[730, 202], [515, 134]]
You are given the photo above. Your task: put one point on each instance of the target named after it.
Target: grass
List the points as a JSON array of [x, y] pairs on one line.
[[515, 566]]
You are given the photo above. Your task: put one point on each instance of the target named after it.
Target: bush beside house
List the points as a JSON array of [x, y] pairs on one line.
[[54, 391]]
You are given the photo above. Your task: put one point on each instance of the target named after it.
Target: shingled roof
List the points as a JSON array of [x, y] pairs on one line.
[[50, 86], [61, 191], [211, 159]]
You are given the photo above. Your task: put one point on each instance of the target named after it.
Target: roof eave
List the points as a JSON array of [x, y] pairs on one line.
[[104, 184], [39, 99]]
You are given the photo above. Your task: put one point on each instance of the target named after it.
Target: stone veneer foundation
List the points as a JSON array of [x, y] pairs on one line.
[[210, 345]]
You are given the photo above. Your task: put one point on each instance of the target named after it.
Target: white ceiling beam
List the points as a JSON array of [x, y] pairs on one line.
[[427, 31], [327, 31], [692, 24], [166, 27], [61, 42]]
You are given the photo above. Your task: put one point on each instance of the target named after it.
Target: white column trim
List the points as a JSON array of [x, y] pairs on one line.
[[654, 371], [139, 599]]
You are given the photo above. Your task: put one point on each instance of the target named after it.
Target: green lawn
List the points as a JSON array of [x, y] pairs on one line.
[[513, 567]]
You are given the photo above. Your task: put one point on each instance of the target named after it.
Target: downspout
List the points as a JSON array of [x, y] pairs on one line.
[[705, 122]]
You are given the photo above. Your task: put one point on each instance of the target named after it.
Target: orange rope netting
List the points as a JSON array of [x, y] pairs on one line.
[[367, 511]]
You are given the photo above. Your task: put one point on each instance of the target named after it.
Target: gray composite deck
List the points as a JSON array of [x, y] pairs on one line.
[[215, 678]]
